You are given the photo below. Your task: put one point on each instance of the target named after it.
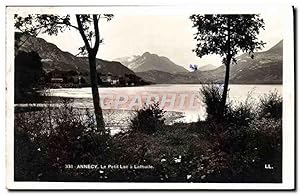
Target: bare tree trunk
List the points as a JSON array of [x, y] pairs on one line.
[[226, 84], [93, 71], [227, 72], [95, 92]]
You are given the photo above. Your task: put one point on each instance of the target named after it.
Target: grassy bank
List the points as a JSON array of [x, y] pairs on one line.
[[234, 149]]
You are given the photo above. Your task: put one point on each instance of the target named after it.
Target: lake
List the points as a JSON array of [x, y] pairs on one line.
[[184, 99]]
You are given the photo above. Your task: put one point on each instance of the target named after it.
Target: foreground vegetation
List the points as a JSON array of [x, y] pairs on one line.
[[232, 148]]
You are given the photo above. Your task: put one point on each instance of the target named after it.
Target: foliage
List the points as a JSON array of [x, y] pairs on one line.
[[149, 119], [68, 138], [28, 72], [211, 95], [52, 24], [241, 114], [29, 161], [249, 139], [226, 35], [271, 106], [206, 151], [250, 148], [214, 30], [175, 155]]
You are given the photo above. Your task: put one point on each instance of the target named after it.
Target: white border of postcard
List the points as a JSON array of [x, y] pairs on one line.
[[288, 174]]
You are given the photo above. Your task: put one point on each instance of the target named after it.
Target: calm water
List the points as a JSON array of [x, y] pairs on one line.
[[183, 98]]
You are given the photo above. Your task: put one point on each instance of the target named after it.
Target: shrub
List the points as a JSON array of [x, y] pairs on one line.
[[28, 71], [148, 120], [212, 98], [233, 150], [268, 143], [28, 159], [249, 139], [262, 145], [249, 148], [56, 136], [271, 105], [241, 114]]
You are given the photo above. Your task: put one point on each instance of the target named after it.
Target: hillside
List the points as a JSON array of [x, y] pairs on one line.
[[266, 67], [207, 67], [54, 58]]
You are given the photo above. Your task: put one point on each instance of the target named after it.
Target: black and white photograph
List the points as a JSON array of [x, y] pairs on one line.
[[135, 97]]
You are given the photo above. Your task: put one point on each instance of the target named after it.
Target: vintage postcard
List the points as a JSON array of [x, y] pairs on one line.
[[150, 97]]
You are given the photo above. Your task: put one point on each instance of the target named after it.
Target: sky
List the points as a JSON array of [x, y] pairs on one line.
[[166, 35]]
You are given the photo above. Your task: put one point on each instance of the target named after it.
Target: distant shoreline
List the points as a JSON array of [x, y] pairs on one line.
[[153, 84], [216, 84]]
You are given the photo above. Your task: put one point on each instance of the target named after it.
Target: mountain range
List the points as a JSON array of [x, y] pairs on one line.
[[54, 58], [148, 61], [265, 68]]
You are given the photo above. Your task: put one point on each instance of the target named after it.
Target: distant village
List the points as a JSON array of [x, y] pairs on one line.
[[75, 79]]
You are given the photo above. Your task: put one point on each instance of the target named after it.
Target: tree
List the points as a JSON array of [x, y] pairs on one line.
[[87, 26], [227, 35], [28, 72]]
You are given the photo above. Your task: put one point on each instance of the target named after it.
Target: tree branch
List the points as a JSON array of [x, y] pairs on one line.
[[70, 25], [28, 36], [229, 54], [20, 45], [80, 28], [97, 34]]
